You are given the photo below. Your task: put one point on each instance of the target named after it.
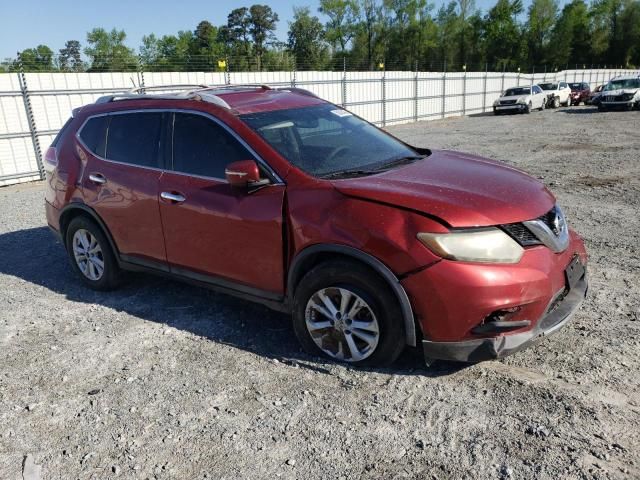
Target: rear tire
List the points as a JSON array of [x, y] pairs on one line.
[[91, 255], [356, 295]]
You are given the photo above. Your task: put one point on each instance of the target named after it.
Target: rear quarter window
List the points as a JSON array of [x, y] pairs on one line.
[[94, 134]]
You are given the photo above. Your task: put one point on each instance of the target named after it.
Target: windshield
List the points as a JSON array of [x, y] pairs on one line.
[[620, 84], [548, 86], [326, 140], [514, 92], [576, 86]]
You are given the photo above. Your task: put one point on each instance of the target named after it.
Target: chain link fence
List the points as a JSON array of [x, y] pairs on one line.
[[35, 105]]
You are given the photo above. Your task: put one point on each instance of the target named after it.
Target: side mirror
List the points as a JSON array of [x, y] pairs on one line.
[[242, 173]]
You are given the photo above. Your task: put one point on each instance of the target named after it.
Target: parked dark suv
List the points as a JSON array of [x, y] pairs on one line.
[[285, 199]]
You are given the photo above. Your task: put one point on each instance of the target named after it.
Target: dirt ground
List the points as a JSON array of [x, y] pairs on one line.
[[164, 380]]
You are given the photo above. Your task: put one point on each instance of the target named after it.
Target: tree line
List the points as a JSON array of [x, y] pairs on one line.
[[372, 34]]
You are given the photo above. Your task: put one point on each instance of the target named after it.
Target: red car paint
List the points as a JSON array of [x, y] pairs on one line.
[[580, 92], [252, 240]]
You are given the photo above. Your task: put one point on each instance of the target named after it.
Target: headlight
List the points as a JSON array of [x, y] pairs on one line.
[[486, 245], [496, 103], [627, 96], [522, 100]]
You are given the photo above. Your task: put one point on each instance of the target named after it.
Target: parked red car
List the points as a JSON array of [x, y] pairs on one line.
[[285, 199], [580, 92]]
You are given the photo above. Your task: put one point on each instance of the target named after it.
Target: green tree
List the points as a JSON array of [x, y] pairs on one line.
[[503, 36], [342, 21], [367, 30], [541, 19], [39, 59], [306, 40], [570, 40], [206, 49], [447, 22], [262, 24], [465, 11], [108, 52], [69, 58], [630, 21]]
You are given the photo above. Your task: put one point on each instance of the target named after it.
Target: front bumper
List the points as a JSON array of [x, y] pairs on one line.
[[480, 349], [618, 104], [516, 107]]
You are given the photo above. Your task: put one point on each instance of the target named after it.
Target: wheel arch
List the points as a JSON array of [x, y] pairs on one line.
[[315, 254], [76, 209]]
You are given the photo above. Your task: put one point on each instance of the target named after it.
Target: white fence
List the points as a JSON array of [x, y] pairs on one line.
[[33, 106]]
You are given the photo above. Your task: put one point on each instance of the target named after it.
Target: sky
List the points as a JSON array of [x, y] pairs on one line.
[[28, 23]]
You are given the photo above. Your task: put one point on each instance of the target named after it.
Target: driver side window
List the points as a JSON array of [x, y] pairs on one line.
[[203, 147]]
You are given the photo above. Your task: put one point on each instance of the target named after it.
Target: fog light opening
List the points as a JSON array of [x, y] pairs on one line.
[[500, 321]]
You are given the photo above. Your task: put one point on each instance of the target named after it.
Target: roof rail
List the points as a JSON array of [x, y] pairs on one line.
[[179, 86], [201, 92], [300, 91], [200, 95]]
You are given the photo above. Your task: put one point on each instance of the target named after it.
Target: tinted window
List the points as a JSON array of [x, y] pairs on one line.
[[537, 89], [512, 92], [202, 147], [94, 134], [134, 138], [327, 140]]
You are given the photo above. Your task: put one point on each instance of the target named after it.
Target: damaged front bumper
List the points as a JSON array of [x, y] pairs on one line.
[[477, 350]]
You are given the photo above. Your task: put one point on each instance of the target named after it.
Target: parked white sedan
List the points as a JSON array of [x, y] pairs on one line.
[[520, 99]]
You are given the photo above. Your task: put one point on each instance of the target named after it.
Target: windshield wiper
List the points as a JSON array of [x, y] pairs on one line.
[[399, 161], [348, 173]]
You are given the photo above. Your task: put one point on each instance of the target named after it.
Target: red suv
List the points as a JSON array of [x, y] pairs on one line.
[[282, 198]]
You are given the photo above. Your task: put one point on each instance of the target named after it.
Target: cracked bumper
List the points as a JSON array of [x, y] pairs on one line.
[[476, 350]]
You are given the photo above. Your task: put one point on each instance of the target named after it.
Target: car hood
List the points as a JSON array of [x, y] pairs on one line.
[[620, 91], [461, 189], [515, 97]]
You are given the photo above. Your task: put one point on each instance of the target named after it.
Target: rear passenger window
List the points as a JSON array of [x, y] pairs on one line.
[[94, 134], [134, 138], [202, 147]]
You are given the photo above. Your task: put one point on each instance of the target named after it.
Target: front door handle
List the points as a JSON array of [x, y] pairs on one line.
[[97, 178], [172, 197]]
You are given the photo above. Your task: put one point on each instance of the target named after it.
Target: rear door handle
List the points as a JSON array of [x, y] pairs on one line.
[[97, 178], [172, 197]]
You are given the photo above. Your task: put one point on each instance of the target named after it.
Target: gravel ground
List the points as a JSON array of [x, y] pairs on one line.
[[163, 380]]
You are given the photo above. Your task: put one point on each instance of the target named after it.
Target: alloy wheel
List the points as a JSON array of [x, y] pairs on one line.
[[88, 254], [342, 324]]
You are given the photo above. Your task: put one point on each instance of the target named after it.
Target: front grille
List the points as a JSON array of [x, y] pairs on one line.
[[549, 220], [508, 102], [611, 98], [521, 234]]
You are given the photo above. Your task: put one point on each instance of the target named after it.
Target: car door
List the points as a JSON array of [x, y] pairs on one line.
[[538, 96], [565, 92], [214, 232], [120, 153]]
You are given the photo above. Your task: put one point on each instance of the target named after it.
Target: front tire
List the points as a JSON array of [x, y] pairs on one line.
[[555, 102], [344, 311], [544, 105], [528, 108], [91, 255]]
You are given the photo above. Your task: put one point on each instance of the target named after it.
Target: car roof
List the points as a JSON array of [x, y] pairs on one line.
[[626, 77], [235, 99], [264, 100]]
